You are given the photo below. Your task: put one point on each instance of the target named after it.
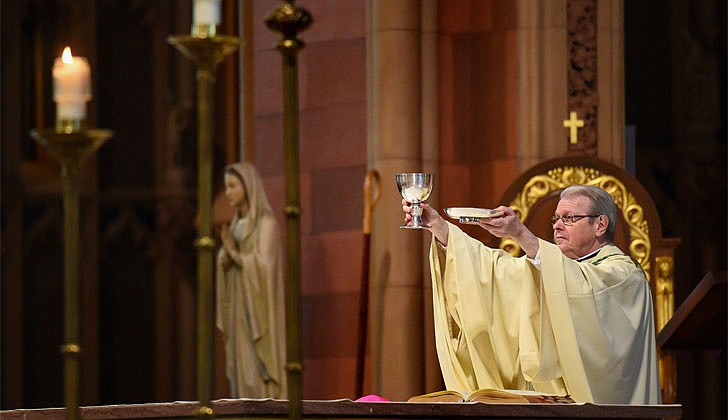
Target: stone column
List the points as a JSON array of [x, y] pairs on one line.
[[394, 84], [430, 120], [610, 83], [542, 59]]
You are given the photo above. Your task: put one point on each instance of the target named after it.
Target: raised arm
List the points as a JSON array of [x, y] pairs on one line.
[[510, 226]]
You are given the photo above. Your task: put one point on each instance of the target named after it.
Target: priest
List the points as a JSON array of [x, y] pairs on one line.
[[570, 317]]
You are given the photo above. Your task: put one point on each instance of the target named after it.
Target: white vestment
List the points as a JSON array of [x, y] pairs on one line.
[[580, 328]]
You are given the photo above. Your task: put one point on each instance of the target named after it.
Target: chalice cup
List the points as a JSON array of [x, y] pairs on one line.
[[415, 187]]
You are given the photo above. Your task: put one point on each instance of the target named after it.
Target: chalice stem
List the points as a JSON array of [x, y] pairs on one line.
[[416, 214]]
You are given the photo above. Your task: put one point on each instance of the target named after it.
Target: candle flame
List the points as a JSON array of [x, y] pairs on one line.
[[67, 57]]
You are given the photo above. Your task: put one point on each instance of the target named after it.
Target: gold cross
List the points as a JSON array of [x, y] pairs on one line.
[[573, 124]]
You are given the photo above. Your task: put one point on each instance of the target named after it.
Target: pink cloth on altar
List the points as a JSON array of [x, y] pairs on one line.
[[371, 398]]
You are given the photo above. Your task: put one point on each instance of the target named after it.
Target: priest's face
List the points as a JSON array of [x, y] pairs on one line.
[[235, 191], [583, 235]]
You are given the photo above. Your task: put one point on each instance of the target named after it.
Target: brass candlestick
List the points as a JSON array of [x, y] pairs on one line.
[[289, 20], [206, 52], [71, 145]]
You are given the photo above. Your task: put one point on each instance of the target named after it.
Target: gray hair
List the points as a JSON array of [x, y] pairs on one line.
[[601, 203]]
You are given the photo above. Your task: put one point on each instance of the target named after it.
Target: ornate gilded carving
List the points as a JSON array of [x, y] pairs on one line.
[[664, 291], [583, 94], [557, 179]]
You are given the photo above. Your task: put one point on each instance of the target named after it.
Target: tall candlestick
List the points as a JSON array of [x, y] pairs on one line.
[[71, 87], [289, 20], [71, 149], [207, 52], [205, 17]]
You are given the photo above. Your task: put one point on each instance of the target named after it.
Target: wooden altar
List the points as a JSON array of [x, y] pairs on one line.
[[278, 409]]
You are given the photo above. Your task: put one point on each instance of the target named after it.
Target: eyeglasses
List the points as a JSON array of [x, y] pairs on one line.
[[570, 219]]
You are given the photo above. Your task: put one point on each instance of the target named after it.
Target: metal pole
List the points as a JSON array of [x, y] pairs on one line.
[[205, 243], [289, 20], [72, 348]]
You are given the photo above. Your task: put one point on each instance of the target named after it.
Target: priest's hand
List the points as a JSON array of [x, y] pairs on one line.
[[430, 218], [509, 226]]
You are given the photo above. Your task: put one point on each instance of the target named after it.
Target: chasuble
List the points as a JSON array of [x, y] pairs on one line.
[[557, 325]]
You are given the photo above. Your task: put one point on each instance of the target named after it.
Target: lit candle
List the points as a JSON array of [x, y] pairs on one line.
[[71, 86], [205, 17]]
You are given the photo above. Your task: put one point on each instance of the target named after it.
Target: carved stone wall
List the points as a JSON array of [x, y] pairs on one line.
[[583, 95]]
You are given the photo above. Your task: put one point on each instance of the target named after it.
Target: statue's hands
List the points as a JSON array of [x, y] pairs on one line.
[[228, 242], [223, 259]]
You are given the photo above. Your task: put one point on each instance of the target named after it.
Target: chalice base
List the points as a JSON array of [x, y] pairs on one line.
[[416, 222]]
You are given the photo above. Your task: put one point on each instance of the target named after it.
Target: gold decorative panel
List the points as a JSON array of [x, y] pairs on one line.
[[664, 291], [559, 178]]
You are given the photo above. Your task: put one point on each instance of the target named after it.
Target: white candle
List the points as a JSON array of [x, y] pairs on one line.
[[71, 86], [206, 12]]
